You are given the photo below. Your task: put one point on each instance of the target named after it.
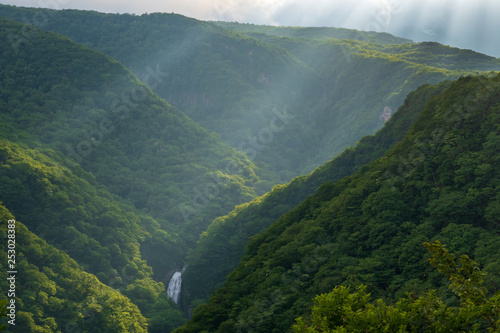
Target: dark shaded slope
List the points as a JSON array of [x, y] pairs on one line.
[[440, 182]]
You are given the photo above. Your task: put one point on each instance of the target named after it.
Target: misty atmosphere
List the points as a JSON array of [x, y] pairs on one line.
[[227, 166]]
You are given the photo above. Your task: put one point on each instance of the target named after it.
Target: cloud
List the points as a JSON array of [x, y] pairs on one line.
[[461, 23]]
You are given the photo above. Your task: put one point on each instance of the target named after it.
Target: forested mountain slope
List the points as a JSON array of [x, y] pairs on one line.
[[93, 162], [220, 248], [107, 237], [220, 79], [314, 33], [363, 74], [290, 103], [103, 119], [440, 182], [97, 165], [298, 40], [54, 294]]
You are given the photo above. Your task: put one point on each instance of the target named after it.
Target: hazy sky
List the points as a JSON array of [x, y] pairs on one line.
[[463, 23]]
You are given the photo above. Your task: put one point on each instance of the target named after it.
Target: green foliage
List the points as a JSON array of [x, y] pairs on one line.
[[82, 106], [319, 33], [465, 276], [104, 120], [114, 205], [359, 75], [96, 164], [232, 78], [104, 235], [53, 293], [344, 311], [441, 181], [220, 248], [3, 313]]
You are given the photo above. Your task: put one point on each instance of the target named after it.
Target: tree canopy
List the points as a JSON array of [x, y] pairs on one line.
[[343, 310]]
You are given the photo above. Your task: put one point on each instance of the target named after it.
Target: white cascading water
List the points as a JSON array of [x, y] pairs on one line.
[[174, 287]]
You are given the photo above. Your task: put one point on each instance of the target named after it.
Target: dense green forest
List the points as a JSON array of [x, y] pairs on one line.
[[97, 165], [304, 42], [106, 236], [103, 119], [440, 182], [133, 147], [58, 295], [346, 311], [220, 248], [290, 98], [313, 33]]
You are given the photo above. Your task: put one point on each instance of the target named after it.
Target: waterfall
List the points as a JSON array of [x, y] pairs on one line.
[[174, 287]]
